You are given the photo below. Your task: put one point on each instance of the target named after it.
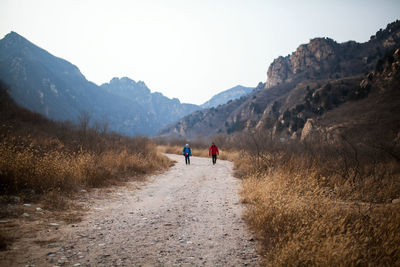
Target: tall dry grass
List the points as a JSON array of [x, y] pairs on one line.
[[25, 166], [39, 155], [322, 205]]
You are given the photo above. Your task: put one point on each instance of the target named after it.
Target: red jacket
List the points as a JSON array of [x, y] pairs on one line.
[[213, 150]]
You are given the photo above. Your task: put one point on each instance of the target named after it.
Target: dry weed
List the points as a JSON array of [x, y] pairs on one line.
[[306, 214], [25, 166]]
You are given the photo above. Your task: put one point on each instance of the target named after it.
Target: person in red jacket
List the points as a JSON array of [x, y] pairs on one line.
[[213, 151]]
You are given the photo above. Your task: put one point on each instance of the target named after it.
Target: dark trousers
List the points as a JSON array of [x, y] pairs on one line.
[[187, 159], [214, 159]]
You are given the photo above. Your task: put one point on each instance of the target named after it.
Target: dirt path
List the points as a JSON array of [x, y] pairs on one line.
[[187, 216]]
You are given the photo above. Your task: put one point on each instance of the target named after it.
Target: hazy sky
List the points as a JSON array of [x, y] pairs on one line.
[[187, 49]]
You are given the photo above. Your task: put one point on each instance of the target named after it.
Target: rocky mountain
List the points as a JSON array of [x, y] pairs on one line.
[[372, 119], [57, 89], [163, 109], [316, 79], [226, 96]]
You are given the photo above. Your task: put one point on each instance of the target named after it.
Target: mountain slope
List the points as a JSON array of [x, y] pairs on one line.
[[226, 96], [55, 88], [163, 109], [374, 119], [318, 77]]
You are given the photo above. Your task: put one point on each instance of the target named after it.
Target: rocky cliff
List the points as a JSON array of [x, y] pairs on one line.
[[324, 58], [317, 78]]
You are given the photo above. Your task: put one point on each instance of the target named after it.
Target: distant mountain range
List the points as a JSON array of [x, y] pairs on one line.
[[319, 80], [54, 87], [227, 95], [57, 89]]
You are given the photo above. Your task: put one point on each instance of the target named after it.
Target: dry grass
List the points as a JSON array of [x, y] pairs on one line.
[[305, 213], [39, 156], [26, 166], [169, 149]]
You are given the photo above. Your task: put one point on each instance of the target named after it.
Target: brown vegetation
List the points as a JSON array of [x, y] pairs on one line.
[[47, 162], [43, 165], [320, 203], [39, 156]]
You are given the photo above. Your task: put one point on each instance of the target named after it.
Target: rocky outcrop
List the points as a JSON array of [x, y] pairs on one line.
[[307, 129], [315, 58], [324, 58], [278, 71]]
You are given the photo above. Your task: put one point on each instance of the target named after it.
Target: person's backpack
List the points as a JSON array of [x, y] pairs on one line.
[[187, 151]]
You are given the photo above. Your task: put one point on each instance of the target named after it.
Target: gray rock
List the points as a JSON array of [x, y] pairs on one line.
[[53, 245], [396, 201], [26, 215]]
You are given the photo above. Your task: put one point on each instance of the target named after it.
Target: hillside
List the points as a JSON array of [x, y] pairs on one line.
[[374, 119], [57, 89], [318, 77], [226, 96]]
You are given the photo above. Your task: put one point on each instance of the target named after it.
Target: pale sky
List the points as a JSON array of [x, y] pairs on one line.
[[187, 49]]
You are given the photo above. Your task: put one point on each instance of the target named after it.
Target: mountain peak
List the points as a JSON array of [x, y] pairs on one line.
[[128, 83], [227, 95], [127, 87], [13, 38], [12, 35]]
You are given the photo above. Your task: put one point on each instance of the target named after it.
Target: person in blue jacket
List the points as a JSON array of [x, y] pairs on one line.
[[187, 152]]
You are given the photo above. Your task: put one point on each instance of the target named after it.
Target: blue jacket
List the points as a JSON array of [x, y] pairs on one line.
[[186, 150]]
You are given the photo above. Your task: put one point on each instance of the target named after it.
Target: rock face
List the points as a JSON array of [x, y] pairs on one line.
[[57, 89], [314, 80], [320, 58], [307, 129], [317, 57], [226, 96]]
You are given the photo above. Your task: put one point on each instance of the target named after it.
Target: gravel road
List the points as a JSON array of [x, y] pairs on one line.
[[187, 216]]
